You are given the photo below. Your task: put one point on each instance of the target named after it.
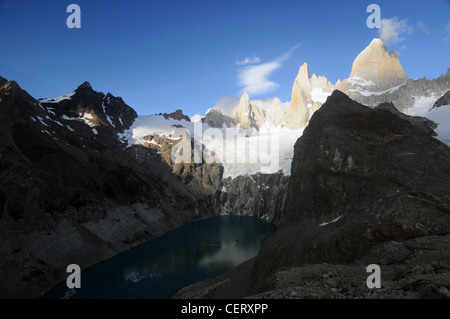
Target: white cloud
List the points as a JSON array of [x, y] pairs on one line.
[[255, 78], [392, 29], [248, 60], [228, 104]]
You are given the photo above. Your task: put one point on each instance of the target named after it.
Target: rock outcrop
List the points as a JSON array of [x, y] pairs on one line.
[[261, 195], [177, 115], [443, 100]]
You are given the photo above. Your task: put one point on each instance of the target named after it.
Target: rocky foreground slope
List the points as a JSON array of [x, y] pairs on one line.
[[367, 187], [71, 193]]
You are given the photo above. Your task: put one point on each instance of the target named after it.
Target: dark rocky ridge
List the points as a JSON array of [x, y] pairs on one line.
[[369, 168], [443, 100], [69, 194], [367, 186]]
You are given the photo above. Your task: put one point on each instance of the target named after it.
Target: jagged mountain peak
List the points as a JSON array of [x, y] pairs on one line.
[[303, 73], [85, 85], [249, 115], [215, 118], [275, 114], [376, 42], [244, 98], [308, 95], [378, 68]]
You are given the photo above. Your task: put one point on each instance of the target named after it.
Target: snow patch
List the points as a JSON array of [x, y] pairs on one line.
[[196, 118], [47, 132], [318, 95], [369, 93], [86, 117], [65, 117], [357, 81], [422, 105], [327, 223], [154, 143], [57, 99], [441, 116], [42, 121]]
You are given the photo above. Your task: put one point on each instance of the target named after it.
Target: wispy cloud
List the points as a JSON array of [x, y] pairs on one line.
[[248, 60], [393, 29], [255, 79], [447, 29]]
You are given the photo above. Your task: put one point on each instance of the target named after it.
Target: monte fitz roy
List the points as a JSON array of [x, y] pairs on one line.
[[352, 174]]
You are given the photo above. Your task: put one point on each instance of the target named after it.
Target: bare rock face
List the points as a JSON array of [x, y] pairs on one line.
[[375, 69], [262, 195], [308, 95]]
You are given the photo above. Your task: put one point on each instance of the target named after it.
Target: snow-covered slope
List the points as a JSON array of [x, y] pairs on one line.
[[241, 152], [441, 116], [423, 106]]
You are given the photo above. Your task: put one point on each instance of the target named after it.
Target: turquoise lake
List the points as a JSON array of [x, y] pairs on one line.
[[160, 267]]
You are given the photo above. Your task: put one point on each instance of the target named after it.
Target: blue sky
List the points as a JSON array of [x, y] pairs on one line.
[[163, 55]]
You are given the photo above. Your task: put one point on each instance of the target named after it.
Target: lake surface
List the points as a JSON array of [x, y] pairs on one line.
[[164, 265]]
